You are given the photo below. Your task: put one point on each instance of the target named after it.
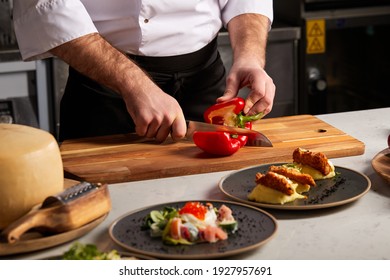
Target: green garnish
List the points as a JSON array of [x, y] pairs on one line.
[[157, 221], [80, 251], [292, 165]]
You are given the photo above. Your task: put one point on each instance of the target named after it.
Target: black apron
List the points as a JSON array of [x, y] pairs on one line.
[[196, 80]]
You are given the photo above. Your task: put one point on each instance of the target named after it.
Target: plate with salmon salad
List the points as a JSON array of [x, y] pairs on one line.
[[194, 229]]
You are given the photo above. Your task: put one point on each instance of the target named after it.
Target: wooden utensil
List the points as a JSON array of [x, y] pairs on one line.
[[70, 209]]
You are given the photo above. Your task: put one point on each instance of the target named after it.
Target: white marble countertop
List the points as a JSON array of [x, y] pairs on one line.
[[359, 230]]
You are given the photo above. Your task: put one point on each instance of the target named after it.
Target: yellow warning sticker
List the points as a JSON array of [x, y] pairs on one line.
[[315, 36]]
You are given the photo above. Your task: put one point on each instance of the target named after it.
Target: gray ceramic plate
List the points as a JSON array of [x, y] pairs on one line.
[[255, 227], [347, 186]]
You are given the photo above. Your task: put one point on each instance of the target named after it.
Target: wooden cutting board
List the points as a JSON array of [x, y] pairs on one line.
[[118, 158]]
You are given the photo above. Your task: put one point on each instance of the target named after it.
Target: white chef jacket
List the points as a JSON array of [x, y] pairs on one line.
[[142, 27]]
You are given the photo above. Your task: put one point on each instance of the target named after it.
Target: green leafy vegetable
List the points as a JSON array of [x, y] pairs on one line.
[[80, 251], [157, 221]]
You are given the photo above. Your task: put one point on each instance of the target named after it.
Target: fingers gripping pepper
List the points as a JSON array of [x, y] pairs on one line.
[[228, 113]]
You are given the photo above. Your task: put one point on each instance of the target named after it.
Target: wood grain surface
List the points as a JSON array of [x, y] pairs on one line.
[[123, 158], [34, 240]]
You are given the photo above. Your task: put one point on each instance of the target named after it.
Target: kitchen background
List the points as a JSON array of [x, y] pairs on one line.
[[324, 57]]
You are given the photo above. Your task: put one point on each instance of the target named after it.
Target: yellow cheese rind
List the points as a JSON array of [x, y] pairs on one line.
[[30, 170]]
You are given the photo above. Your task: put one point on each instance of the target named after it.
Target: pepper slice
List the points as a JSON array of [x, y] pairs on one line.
[[228, 113], [231, 113], [217, 143], [224, 113]]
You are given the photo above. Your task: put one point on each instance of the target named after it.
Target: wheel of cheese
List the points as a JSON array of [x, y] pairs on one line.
[[30, 170]]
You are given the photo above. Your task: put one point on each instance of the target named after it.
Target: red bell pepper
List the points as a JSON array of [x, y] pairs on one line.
[[217, 143], [225, 113], [231, 113]]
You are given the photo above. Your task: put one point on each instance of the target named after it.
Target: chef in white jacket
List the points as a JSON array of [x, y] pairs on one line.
[[144, 65]]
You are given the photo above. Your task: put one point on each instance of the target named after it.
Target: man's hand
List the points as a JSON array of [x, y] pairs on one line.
[[262, 88], [155, 113], [248, 36]]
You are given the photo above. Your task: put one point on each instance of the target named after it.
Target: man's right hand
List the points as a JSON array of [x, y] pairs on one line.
[[155, 113]]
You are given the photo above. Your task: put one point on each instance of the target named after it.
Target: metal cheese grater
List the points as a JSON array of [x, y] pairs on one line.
[[70, 194], [68, 210]]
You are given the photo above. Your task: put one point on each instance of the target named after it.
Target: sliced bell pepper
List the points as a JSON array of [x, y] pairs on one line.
[[231, 113], [228, 113], [217, 143]]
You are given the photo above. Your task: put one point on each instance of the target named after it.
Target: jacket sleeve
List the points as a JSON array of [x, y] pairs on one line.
[[41, 25], [233, 8]]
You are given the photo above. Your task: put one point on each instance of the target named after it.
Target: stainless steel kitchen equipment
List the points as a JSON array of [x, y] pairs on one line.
[[344, 57], [24, 86], [7, 35]]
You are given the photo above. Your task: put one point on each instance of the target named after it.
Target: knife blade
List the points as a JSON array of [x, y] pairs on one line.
[[255, 138]]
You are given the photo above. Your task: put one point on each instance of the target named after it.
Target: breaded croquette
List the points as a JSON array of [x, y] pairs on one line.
[[317, 161], [275, 181], [293, 174]]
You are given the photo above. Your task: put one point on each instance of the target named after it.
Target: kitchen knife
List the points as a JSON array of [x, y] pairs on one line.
[[255, 138]]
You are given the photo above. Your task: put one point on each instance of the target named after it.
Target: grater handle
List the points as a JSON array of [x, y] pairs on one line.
[[35, 218], [62, 217]]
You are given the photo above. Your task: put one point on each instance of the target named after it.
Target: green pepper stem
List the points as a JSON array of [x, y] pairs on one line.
[[242, 119]]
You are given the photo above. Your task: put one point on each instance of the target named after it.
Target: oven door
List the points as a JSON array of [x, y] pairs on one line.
[[352, 71]]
